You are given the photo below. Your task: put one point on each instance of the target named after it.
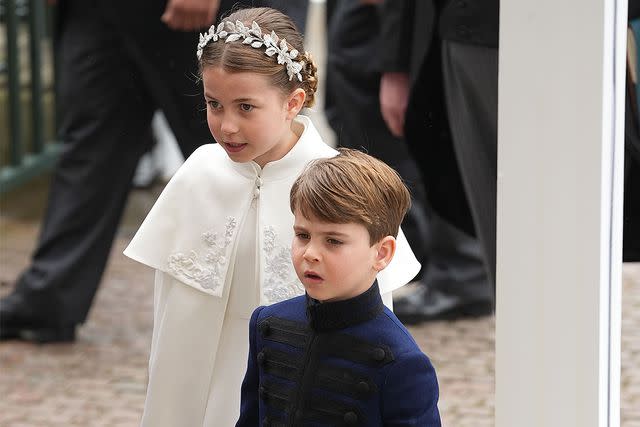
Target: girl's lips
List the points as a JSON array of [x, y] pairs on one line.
[[234, 147]]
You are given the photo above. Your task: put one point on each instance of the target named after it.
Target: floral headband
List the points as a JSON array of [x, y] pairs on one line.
[[253, 36]]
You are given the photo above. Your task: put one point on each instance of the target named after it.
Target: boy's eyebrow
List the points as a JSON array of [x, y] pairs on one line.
[[328, 232], [335, 233]]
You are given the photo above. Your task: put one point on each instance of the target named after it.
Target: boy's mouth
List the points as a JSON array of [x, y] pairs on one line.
[[312, 275]]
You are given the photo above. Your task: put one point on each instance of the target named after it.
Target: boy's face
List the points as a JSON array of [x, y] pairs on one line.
[[335, 261]]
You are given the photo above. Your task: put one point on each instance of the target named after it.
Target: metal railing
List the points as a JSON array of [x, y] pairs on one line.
[[27, 93]]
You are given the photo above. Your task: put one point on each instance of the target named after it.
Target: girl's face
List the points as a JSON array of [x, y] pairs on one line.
[[248, 117]]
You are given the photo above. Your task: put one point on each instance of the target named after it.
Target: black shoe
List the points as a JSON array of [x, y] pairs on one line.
[[19, 321], [424, 304]]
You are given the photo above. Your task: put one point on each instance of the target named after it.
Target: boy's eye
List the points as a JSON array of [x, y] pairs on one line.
[[302, 236], [214, 104], [246, 107], [334, 242]]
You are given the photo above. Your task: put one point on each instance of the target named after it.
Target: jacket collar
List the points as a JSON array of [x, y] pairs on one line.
[[330, 316]]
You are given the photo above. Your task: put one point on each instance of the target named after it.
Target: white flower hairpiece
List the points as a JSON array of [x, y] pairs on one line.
[[253, 36]]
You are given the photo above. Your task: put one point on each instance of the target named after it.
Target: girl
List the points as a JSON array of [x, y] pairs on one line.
[[219, 235]]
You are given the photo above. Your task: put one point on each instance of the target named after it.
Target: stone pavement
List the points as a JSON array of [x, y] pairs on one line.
[[100, 380]]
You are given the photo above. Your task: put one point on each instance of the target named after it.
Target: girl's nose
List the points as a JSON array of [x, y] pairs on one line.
[[228, 125]]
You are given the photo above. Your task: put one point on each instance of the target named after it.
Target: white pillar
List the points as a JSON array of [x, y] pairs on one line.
[[560, 148]]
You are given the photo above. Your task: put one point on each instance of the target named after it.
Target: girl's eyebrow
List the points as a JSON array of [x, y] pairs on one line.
[[237, 100]]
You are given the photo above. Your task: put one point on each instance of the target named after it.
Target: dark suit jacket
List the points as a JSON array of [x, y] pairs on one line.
[[414, 25], [634, 9]]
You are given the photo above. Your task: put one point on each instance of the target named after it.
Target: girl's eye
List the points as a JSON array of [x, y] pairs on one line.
[[303, 236], [246, 107], [214, 104], [334, 242]]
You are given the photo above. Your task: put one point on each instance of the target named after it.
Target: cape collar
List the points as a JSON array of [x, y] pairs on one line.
[[330, 316]]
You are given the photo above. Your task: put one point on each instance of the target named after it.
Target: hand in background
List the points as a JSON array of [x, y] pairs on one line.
[[190, 15], [394, 97]]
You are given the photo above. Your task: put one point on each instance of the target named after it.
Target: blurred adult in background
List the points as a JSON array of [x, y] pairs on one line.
[[438, 90], [119, 61], [451, 258], [631, 219], [352, 86]]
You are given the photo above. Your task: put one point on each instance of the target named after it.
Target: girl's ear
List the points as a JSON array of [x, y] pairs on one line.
[[295, 102], [386, 248]]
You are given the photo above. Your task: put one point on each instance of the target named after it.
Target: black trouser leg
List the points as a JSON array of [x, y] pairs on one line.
[[471, 86], [105, 125]]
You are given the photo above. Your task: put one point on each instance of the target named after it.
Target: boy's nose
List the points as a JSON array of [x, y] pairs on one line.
[[310, 254]]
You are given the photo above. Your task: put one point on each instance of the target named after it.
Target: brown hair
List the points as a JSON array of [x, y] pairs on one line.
[[239, 57], [352, 187]]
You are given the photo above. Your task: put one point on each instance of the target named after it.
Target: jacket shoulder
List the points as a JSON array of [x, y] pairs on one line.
[[289, 308], [398, 330]]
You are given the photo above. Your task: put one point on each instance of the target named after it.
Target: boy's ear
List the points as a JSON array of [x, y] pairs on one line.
[[386, 249], [295, 102]]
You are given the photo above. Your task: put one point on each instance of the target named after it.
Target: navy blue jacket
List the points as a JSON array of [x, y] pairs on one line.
[[345, 363]]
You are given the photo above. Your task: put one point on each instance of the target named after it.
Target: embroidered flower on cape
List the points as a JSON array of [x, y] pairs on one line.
[[207, 272], [280, 279], [188, 267]]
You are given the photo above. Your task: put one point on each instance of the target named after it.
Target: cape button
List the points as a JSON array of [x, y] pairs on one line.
[[299, 416], [266, 422], [363, 387], [262, 358], [262, 392], [265, 329], [350, 418], [379, 354]]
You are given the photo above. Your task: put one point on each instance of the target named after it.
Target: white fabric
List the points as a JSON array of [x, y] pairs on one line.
[[219, 238]]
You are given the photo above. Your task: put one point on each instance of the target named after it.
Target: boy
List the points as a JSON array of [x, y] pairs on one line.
[[337, 356]]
